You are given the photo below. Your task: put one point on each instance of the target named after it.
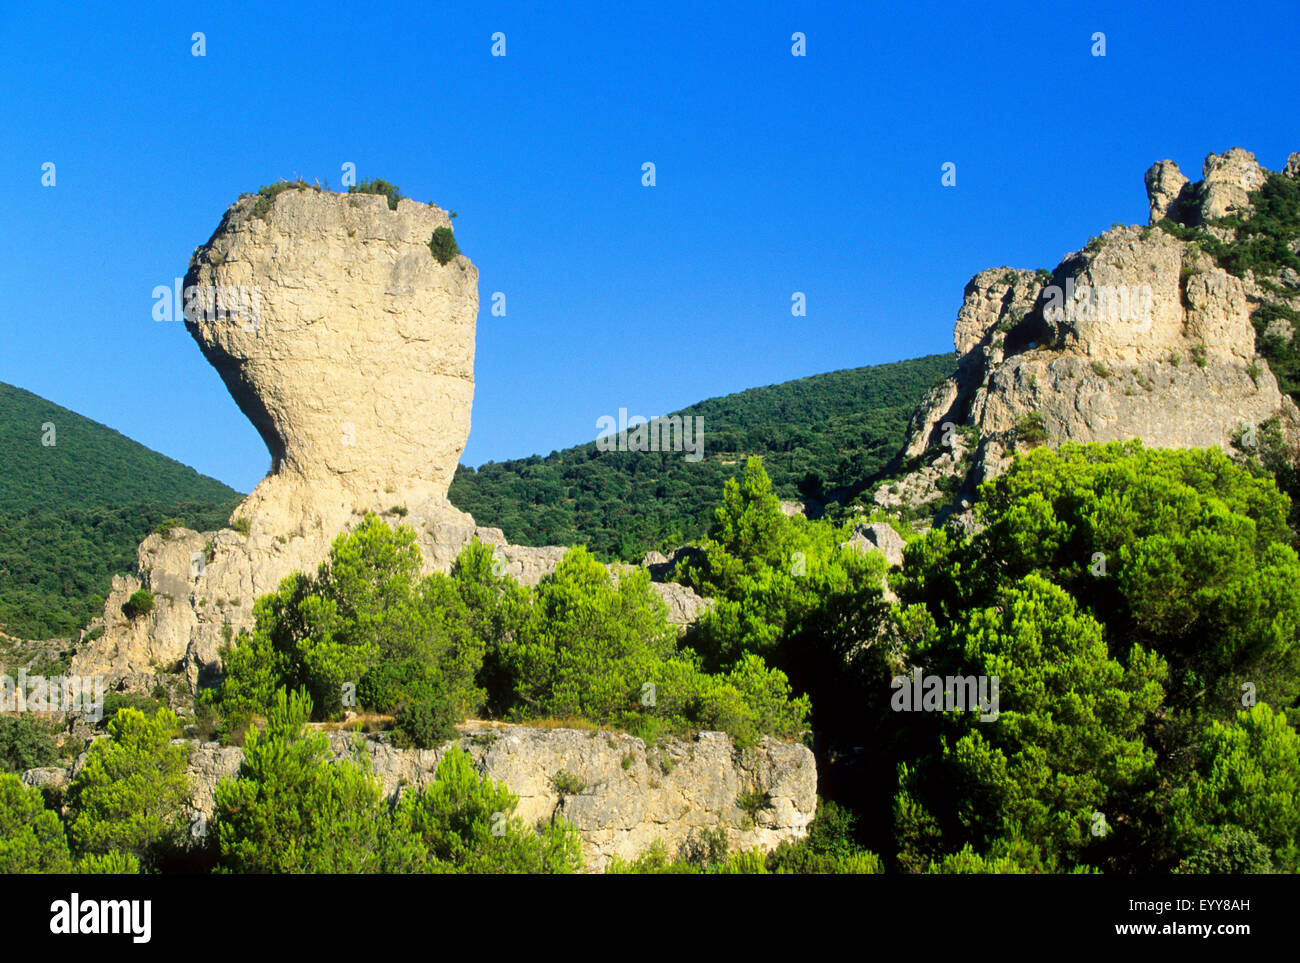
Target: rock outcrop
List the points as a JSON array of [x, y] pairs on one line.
[[631, 794], [1138, 335], [350, 348], [357, 368]]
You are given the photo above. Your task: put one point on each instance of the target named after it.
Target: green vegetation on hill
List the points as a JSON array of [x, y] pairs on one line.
[[72, 512], [815, 434]]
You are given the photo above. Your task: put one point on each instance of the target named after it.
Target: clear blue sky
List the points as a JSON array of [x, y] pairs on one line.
[[775, 174]]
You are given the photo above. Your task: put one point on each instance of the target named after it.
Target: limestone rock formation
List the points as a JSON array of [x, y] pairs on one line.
[[1138, 335], [878, 537], [1166, 190], [632, 794], [1229, 178], [357, 367], [351, 349]]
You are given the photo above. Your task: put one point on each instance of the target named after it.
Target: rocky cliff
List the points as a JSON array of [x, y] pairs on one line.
[[631, 795], [1138, 335], [350, 347]]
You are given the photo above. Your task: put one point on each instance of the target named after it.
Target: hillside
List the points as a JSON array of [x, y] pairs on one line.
[[815, 434], [73, 512]]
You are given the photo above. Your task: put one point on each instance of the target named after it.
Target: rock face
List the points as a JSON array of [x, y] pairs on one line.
[[1229, 178], [357, 367], [1138, 335], [351, 349], [1165, 190], [631, 795], [878, 537]]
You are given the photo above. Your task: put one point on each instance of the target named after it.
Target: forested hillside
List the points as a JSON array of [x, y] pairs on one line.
[[817, 433], [76, 498]]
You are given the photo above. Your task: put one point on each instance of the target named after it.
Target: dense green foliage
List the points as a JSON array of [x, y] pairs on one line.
[[437, 649], [131, 793], [443, 244], [378, 186], [1138, 608], [1130, 601], [72, 513], [1247, 782], [785, 592], [25, 743], [291, 809], [1194, 551], [828, 432], [31, 836], [366, 620]]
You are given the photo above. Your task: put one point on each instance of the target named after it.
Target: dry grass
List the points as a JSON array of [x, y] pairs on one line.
[[367, 721]]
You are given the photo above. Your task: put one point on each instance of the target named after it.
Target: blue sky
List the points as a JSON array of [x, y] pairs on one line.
[[775, 174]]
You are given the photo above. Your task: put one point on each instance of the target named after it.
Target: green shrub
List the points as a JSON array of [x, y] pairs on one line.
[[428, 723], [1248, 778], [140, 603], [1231, 851], [443, 244], [751, 801], [566, 783], [291, 809], [25, 743], [1031, 430], [830, 846], [1199, 355], [242, 525], [386, 686], [131, 793], [31, 836], [464, 823], [378, 186], [366, 607], [164, 528], [705, 847], [267, 194], [108, 864]]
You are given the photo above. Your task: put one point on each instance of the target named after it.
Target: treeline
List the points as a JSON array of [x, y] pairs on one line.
[[56, 567], [76, 499], [815, 435]]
